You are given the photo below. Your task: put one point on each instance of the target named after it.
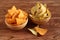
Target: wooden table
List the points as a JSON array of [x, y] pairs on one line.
[[53, 25]]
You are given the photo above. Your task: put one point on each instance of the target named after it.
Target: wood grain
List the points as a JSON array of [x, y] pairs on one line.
[[53, 25]]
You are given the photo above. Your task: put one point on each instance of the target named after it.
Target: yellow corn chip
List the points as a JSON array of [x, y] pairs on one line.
[[12, 10], [21, 15], [20, 21]]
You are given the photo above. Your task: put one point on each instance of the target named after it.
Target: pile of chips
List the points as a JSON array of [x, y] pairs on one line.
[[16, 16]]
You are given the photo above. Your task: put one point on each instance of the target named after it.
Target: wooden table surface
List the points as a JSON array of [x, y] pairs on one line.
[[53, 25]]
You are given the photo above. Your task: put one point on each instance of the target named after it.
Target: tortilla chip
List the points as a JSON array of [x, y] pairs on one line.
[[20, 21], [41, 31]]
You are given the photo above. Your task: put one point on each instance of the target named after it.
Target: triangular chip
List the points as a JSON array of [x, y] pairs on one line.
[[41, 31], [20, 21], [12, 10]]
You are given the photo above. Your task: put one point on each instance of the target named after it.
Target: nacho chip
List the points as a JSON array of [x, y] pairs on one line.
[[12, 10], [20, 21], [41, 31], [21, 14]]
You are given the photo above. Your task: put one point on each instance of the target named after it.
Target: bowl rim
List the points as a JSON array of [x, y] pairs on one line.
[[16, 25]]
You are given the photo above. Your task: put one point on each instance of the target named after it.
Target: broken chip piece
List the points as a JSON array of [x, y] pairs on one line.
[[41, 31], [32, 31]]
